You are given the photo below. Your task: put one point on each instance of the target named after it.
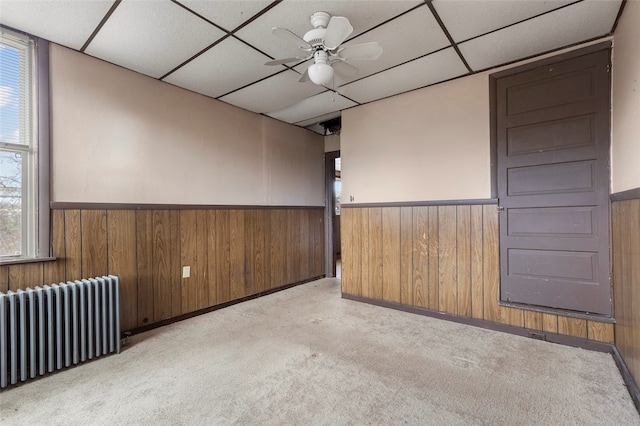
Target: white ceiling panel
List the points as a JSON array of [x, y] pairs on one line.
[[572, 24], [152, 37], [431, 69], [469, 18], [229, 14], [405, 38], [223, 68], [69, 23], [294, 15], [314, 106], [273, 94]]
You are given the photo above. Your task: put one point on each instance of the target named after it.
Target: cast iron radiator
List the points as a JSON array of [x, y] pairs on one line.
[[55, 326]]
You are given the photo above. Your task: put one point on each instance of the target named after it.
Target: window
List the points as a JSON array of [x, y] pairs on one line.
[[23, 216]]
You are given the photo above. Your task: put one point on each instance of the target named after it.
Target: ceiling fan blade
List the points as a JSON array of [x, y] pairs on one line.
[[344, 69], [287, 60], [304, 77], [288, 35], [362, 51], [338, 30]]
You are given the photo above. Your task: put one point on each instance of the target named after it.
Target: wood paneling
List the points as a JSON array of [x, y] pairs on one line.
[[443, 258], [144, 257], [122, 262], [390, 254], [94, 243], [4, 279], [54, 272], [406, 256], [232, 253], [73, 245], [626, 278]]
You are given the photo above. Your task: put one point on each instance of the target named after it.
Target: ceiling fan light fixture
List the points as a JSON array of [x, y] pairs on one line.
[[320, 72]]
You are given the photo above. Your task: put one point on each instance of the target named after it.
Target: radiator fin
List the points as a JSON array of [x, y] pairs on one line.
[[56, 326]]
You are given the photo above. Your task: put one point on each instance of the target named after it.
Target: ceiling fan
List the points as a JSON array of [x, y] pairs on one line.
[[323, 44]]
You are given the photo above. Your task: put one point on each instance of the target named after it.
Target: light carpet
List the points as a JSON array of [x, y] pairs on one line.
[[306, 356]]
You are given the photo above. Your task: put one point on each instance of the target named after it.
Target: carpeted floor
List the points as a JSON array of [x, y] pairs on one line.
[[306, 356]]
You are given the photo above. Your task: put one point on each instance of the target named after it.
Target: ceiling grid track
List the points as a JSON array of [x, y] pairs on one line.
[[446, 32], [104, 20]]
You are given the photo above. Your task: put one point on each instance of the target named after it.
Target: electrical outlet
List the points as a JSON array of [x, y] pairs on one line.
[[186, 271]]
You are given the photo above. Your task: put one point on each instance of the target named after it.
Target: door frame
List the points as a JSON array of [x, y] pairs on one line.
[[329, 207], [493, 152]]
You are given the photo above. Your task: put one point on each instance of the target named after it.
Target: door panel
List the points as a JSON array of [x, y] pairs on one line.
[[553, 184]]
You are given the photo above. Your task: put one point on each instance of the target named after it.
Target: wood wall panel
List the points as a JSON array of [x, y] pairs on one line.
[[26, 275], [477, 253], [4, 279], [375, 253], [391, 254], [54, 272], [122, 262], [365, 283], [447, 260], [162, 291], [94, 243], [406, 256], [236, 255], [73, 245], [420, 256], [222, 253], [434, 255], [232, 253], [443, 258], [626, 278], [144, 258]]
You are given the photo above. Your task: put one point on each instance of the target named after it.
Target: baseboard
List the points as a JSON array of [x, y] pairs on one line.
[[188, 315], [632, 386], [562, 339]]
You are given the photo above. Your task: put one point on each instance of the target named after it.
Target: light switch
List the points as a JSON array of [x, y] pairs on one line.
[[186, 271]]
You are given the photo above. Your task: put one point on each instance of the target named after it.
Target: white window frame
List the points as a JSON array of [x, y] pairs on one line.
[[33, 145]]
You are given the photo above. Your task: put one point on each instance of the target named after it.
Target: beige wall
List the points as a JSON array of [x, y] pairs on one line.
[[429, 144], [332, 143], [625, 152], [121, 137]]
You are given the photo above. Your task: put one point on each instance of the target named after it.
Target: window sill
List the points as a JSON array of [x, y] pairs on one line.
[[26, 260]]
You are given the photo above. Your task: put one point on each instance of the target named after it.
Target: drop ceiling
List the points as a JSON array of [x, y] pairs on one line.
[[218, 48]]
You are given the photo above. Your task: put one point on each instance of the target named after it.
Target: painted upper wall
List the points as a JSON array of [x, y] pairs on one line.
[[122, 137], [625, 151], [332, 142], [433, 144], [429, 144]]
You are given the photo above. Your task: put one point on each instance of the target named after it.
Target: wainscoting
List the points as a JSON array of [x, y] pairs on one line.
[[625, 229], [444, 258], [233, 253]]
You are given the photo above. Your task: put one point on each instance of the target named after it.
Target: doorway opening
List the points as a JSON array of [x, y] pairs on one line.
[[333, 196]]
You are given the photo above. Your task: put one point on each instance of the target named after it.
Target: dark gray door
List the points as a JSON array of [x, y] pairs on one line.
[[553, 184]]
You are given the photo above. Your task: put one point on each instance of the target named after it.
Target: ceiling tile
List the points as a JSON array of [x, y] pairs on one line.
[[431, 69], [294, 16], [273, 94], [69, 23], [229, 14], [152, 37], [314, 106], [579, 22], [405, 38], [469, 18], [223, 68]]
